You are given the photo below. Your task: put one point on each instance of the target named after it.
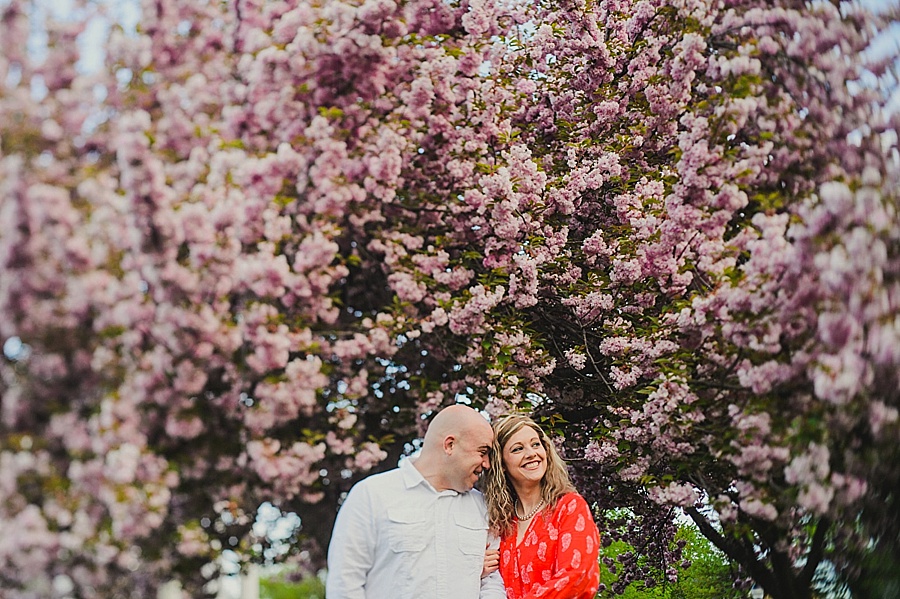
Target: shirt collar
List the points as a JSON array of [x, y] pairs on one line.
[[412, 477]]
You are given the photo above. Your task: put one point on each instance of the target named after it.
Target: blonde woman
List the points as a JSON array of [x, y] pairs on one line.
[[548, 539]]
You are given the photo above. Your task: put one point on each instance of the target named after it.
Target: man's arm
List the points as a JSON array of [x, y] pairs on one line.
[[351, 552], [491, 587], [492, 584]]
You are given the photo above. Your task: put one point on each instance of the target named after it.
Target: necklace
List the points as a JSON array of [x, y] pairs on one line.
[[531, 513]]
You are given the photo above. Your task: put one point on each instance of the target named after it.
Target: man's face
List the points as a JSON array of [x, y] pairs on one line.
[[470, 457]]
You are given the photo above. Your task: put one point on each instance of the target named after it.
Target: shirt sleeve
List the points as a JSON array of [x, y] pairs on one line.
[[491, 587], [351, 552], [492, 584], [578, 573]]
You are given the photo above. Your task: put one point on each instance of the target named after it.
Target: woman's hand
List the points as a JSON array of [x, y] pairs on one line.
[[491, 561]]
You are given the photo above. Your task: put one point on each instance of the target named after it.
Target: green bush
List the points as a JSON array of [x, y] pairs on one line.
[[308, 588], [710, 575]]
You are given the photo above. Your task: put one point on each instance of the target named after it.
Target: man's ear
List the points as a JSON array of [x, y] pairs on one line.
[[449, 443]]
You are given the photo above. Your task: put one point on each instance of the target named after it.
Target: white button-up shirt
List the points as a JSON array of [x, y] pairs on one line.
[[397, 537]]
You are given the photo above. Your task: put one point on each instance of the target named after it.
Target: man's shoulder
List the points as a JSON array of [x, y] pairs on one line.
[[475, 501], [379, 482], [476, 495]]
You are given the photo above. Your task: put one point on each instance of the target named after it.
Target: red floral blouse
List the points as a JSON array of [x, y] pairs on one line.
[[557, 558]]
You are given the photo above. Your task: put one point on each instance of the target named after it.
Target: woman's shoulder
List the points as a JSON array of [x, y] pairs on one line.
[[570, 503], [573, 514]]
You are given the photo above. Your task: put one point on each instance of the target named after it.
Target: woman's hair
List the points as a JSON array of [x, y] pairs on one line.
[[499, 493]]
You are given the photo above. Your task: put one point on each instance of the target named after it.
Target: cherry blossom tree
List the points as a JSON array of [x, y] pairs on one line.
[[245, 260]]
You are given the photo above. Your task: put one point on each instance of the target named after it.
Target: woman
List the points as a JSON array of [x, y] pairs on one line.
[[548, 539]]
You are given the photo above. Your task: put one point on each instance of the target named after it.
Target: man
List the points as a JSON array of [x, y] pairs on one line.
[[419, 530]]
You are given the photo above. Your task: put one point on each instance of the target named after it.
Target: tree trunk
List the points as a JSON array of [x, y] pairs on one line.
[[775, 572]]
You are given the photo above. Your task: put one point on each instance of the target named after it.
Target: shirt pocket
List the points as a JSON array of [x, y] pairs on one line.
[[472, 532], [408, 530]]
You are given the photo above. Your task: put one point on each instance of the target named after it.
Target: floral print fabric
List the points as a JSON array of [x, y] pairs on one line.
[[557, 558]]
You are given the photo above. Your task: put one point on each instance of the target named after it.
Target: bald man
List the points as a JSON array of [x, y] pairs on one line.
[[419, 530]]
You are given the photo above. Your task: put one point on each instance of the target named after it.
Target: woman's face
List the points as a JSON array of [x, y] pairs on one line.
[[524, 457]]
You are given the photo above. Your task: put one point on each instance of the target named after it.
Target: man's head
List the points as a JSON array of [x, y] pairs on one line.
[[456, 448]]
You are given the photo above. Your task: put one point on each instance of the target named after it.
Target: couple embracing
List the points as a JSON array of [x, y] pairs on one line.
[[422, 530]]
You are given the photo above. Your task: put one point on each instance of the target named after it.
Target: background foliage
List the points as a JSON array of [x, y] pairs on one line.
[[247, 258]]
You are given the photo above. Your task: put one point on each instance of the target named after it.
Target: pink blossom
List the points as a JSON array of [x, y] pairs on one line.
[[470, 316], [368, 455], [622, 379], [600, 453], [882, 416], [406, 287], [675, 494], [759, 509], [576, 359], [816, 498]]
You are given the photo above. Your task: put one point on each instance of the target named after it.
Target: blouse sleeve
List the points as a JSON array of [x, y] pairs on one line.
[[578, 573]]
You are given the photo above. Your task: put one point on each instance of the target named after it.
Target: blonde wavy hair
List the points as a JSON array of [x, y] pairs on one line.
[[499, 493]]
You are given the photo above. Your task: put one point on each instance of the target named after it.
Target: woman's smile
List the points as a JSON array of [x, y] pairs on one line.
[[525, 457]]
